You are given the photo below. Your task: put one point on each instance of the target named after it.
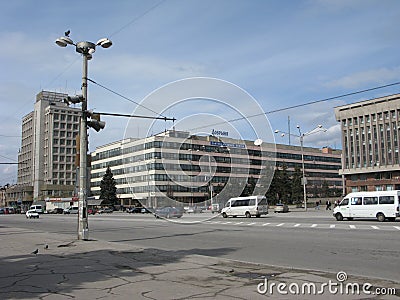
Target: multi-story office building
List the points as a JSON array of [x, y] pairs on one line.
[[370, 141], [46, 160], [193, 169]]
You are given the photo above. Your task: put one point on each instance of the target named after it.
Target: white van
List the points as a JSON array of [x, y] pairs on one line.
[[381, 205], [37, 208], [246, 206]]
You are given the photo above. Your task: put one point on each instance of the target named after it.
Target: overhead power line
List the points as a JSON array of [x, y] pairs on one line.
[[137, 18], [296, 106], [124, 97]]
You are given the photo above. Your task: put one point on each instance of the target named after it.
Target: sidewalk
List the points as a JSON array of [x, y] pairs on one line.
[[72, 269]]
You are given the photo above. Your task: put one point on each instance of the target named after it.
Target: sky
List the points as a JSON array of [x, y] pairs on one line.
[[205, 63]]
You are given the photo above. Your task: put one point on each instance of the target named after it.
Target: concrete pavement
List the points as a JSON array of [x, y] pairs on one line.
[[72, 269]]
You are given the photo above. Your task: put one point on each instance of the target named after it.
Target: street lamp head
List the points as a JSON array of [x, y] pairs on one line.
[[276, 131], [104, 42], [297, 126], [64, 41], [319, 126], [85, 48]]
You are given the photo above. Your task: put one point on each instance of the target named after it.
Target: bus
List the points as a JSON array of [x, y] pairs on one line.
[[382, 205], [246, 207]]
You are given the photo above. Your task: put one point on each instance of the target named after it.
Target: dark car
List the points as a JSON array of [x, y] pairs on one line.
[[57, 210], [134, 210], [147, 210], [168, 212]]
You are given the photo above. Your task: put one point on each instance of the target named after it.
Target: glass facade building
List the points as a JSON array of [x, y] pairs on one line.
[[177, 166]]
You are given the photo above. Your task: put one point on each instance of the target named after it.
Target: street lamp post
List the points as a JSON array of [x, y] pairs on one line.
[[86, 49], [301, 137], [210, 186]]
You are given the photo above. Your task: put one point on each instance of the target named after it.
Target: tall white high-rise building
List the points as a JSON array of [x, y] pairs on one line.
[[46, 160]]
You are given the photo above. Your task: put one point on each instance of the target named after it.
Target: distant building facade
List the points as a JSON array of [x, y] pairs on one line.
[[193, 169], [46, 159], [370, 142]]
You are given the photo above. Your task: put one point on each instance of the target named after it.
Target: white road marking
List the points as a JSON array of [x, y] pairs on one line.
[[375, 227], [397, 227], [296, 225], [265, 224], [352, 226], [314, 225], [332, 226], [281, 224]]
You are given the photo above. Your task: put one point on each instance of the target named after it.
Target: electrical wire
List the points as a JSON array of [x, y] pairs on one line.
[[137, 18], [7, 157], [124, 97], [296, 106]]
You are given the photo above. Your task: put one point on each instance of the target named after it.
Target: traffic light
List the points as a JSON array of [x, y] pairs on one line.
[[74, 99], [95, 122]]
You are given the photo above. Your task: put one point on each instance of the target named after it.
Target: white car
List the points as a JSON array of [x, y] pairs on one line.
[[32, 214]]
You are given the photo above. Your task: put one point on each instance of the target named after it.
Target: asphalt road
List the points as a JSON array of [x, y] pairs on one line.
[[306, 240]]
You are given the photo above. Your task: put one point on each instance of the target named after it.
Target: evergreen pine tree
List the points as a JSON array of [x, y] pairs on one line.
[[108, 189]]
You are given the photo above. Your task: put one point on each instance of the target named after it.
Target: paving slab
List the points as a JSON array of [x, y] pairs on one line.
[[65, 268]]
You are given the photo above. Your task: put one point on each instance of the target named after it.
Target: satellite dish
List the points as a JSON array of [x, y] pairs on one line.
[[258, 142]]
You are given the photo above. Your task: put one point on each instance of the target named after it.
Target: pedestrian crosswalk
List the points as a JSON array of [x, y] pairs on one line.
[[341, 225]]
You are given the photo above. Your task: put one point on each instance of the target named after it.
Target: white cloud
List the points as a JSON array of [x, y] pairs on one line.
[[369, 77]]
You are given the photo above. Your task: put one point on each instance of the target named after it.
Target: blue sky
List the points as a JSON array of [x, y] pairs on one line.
[[281, 53]]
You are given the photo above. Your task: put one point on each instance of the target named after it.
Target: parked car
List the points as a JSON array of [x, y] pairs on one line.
[[9, 210], [32, 214], [193, 209], [71, 210], [168, 212], [92, 211], [134, 210], [281, 208], [105, 210], [56, 210], [2, 211], [147, 210]]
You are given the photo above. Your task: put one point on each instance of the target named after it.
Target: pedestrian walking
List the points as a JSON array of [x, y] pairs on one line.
[[328, 205], [317, 205]]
